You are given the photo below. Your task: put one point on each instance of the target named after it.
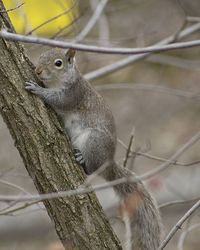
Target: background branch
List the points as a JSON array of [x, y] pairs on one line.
[[96, 15], [178, 225], [108, 69]]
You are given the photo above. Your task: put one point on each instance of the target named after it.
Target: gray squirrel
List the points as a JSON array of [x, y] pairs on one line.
[[90, 125]]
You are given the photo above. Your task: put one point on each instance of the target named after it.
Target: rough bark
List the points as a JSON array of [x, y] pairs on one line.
[[79, 221]]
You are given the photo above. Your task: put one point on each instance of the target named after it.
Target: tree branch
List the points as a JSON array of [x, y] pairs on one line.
[[98, 49], [179, 224]]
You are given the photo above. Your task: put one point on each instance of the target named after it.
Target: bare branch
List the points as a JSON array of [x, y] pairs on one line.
[[59, 33], [129, 147], [12, 9], [98, 49], [78, 191], [174, 157], [96, 15], [177, 202], [148, 87], [13, 203], [175, 61], [156, 158], [183, 26], [134, 58], [14, 186], [11, 211], [103, 25], [53, 18], [179, 224]]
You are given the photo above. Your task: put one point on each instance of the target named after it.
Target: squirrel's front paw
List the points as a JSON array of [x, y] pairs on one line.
[[32, 86]]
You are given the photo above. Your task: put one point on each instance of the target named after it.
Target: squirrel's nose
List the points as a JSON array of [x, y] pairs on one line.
[[38, 70]]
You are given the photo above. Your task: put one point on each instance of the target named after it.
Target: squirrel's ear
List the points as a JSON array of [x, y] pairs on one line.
[[71, 53]]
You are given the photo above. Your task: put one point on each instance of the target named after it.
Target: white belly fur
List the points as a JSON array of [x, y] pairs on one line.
[[77, 133]]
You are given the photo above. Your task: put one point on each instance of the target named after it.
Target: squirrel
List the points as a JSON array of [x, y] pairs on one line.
[[91, 128]]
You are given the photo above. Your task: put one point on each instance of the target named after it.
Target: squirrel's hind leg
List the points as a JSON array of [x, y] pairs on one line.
[[96, 149]]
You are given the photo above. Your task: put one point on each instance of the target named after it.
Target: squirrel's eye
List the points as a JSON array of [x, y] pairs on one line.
[[58, 63]]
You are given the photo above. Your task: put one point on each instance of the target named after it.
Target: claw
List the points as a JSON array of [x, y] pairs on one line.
[[79, 157], [31, 86]]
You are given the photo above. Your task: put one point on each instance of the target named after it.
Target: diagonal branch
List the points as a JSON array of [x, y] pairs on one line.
[[179, 224], [85, 189]]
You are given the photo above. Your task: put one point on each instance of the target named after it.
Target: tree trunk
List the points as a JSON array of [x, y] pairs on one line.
[[79, 221]]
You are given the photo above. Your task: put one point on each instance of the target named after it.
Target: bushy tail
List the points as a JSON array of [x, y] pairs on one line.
[[139, 206]]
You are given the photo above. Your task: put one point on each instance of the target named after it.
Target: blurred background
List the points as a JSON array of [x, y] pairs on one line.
[[155, 99]]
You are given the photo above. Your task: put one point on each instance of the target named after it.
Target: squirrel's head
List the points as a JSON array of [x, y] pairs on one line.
[[56, 67]]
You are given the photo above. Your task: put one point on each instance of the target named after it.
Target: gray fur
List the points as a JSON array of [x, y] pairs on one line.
[[91, 128]]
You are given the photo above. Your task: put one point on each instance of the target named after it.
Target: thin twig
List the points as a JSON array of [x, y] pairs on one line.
[[148, 87], [58, 33], [183, 26], [179, 224], [19, 208], [14, 186], [129, 147], [157, 158], [177, 202], [174, 157], [75, 20], [12, 9], [53, 18], [10, 205], [175, 62], [133, 157]]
